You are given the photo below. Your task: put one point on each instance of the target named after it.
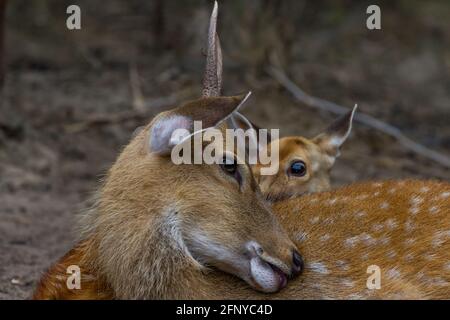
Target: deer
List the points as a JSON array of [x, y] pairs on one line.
[[398, 231], [146, 239], [304, 165]]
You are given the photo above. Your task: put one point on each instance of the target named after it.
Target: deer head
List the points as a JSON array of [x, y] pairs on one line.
[[305, 164], [154, 218]]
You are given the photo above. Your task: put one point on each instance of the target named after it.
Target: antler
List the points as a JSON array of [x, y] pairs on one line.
[[212, 80]]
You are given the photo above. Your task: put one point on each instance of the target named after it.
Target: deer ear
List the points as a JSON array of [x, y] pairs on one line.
[[335, 135], [171, 127], [162, 139], [239, 121]]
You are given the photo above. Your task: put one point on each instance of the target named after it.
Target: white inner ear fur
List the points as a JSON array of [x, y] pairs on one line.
[[161, 140], [336, 140]]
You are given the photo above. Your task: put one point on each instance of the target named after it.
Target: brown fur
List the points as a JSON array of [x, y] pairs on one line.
[[141, 238], [319, 155], [335, 267], [282, 185]]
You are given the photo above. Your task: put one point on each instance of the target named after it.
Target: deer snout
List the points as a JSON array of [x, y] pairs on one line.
[[298, 263], [271, 272]]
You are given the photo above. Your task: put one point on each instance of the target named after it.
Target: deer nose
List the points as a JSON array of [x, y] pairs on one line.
[[298, 263]]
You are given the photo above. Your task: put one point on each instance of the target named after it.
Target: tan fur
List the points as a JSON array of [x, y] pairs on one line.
[[336, 266], [316, 179], [318, 154], [141, 238]]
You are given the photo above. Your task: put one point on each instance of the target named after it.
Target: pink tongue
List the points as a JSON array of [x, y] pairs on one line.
[[267, 277], [281, 275]]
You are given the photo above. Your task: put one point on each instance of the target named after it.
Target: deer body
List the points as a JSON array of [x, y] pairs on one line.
[[402, 227]]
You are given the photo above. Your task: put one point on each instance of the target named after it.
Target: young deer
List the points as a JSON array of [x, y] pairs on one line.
[[157, 225], [304, 164]]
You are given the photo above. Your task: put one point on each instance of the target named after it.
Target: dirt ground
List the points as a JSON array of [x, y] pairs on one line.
[[51, 160]]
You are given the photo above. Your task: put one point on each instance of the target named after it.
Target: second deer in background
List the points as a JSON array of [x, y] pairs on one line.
[[305, 164]]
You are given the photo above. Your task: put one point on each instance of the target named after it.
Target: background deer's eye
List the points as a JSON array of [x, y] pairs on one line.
[[297, 168]]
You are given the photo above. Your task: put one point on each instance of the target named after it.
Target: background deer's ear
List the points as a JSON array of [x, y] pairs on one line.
[[210, 111], [336, 134]]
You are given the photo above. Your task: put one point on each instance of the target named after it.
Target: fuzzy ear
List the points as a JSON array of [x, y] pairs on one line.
[[239, 121], [210, 111], [335, 135]]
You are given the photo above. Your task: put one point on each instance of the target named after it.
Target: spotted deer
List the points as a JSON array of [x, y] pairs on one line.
[[304, 165], [395, 233]]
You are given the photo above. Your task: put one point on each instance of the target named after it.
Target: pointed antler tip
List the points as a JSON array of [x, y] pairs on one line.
[[215, 9]]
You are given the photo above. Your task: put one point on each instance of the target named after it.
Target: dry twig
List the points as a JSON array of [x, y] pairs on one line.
[[365, 119]]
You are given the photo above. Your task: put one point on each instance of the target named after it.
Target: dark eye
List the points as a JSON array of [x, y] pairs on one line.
[[297, 168], [229, 166]]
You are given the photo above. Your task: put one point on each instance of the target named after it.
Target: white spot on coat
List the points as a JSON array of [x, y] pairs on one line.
[[318, 267], [384, 205], [342, 265], [332, 201], [377, 227], [351, 242], [391, 223], [391, 254], [367, 239], [377, 184], [445, 195], [348, 283], [361, 197], [409, 225], [361, 214], [393, 273], [416, 200], [314, 220], [433, 209]]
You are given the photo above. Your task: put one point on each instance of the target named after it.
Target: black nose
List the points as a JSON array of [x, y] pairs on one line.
[[298, 263]]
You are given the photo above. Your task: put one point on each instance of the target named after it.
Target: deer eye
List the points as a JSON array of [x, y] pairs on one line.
[[297, 168], [230, 167]]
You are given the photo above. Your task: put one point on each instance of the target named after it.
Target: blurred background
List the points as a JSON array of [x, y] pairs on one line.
[[72, 99]]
